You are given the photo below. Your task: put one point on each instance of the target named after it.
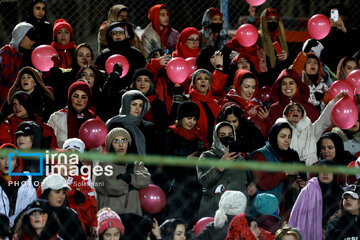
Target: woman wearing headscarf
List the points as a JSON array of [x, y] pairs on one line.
[[316, 203], [159, 33], [188, 43], [213, 33], [134, 105], [117, 13]]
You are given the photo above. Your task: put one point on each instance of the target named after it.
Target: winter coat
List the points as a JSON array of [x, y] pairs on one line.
[[345, 227], [214, 182], [122, 196], [22, 195], [301, 96], [5, 133], [43, 31], [351, 141], [212, 233], [306, 134]]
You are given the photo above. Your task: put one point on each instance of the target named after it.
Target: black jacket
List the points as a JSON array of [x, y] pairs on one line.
[[346, 227]]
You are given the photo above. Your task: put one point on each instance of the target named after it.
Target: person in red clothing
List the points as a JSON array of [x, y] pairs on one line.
[[63, 36], [201, 94], [188, 43], [287, 88], [22, 106], [5, 134]]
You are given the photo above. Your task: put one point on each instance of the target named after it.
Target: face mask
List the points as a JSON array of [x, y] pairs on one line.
[[216, 27], [226, 141], [272, 26]]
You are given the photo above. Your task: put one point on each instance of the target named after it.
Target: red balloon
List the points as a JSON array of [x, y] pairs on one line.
[[201, 223], [341, 86], [247, 35], [354, 79], [191, 61], [41, 57], [318, 26], [344, 113], [177, 70], [93, 133], [152, 199], [255, 2], [260, 124], [264, 94], [117, 58]]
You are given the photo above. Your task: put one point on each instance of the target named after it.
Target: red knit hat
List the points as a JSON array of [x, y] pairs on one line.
[[61, 23], [109, 219], [80, 85], [214, 11], [272, 12]]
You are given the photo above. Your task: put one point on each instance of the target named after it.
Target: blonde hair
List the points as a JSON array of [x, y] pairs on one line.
[[287, 231]]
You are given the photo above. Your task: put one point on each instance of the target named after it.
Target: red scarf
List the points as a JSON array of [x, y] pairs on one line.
[[181, 49], [65, 53], [274, 35], [148, 115], [154, 16], [72, 123], [190, 135], [233, 96]]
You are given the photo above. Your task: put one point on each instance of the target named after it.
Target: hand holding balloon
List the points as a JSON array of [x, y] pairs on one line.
[[42, 57], [55, 58]]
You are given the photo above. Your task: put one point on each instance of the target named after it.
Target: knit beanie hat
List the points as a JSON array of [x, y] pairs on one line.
[[80, 85], [109, 219], [266, 204], [19, 32], [24, 99], [146, 72], [74, 143], [115, 132], [61, 23], [188, 109], [193, 78], [231, 203]]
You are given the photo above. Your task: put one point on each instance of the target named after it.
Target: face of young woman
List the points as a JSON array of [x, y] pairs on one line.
[[26, 43], [243, 63], [284, 139], [79, 100], [142, 83], [4, 165], [231, 118], [202, 83], [327, 148], [188, 122], [24, 142], [19, 109], [57, 197], [39, 10], [63, 36], [288, 87], [112, 234], [192, 41], [180, 232], [326, 178], [225, 131], [288, 237], [27, 83], [123, 16], [216, 19], [247, 88], [89, 76], [255, 229], [118, 36], [351, 204], [350, 66], [354, 128], [312, 66], [38, 220], [120, 145], [294, 115], [164, 18], [136, 107], [83, 57]]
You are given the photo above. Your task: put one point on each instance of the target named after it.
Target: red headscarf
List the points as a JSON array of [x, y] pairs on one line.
[[181, 49], [154, 17], [214, 11], [248, 54]]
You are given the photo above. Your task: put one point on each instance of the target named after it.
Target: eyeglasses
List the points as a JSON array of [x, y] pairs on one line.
[[193, 40], [122, 141], [202, 79], [87, 75]]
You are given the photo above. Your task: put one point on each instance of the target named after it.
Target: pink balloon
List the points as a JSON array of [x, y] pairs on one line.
[[344, 113], [264, 94], [152, 199], [255, 2], [191, 61], [93, 133], [117, 58], [354, 79], [41, 57], [318, 26], [177, 70], [247, 35], [341, 86], [201, 223]]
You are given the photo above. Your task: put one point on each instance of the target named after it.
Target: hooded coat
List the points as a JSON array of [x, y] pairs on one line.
[[306, 134], [11, 59], [214, 182], [153, 37], [301, 96], [182, 50]]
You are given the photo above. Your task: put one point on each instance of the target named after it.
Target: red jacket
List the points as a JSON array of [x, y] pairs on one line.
[[5, 134]]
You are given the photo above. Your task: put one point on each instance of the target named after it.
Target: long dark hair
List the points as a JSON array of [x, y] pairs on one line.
[[168, 228], [29, 16]]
